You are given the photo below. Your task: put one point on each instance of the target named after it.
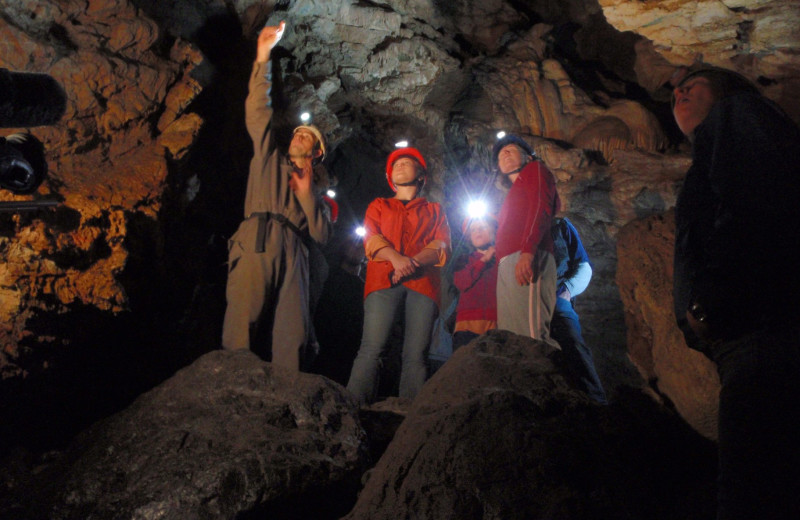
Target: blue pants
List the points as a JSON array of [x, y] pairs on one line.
[[566, 329], [379, 311], [759, 425]]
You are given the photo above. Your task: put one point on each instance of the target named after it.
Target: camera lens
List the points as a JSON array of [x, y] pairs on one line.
[[16, 174], [22, 163]]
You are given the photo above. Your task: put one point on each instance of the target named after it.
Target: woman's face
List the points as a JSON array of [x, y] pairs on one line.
[[693, 101], [510, 158]]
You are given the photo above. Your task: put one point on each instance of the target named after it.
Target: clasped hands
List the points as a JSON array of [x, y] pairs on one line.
[[404, 267]]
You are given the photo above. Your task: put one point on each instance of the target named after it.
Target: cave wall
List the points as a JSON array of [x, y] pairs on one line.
[[109, 157], [150, 160]]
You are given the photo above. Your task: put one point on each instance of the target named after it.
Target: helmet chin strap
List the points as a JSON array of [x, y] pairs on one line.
[[512, 172], [417, 181], [486, 246]]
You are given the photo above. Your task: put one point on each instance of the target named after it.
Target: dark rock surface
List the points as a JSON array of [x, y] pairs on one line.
[[229, 435], [499, 433], [655, 343]]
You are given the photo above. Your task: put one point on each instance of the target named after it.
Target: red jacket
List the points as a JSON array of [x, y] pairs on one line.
[[477, 282], [408, 228], [527, 212]]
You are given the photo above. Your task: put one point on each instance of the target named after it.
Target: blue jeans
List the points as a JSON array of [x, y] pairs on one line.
[[759, 425], [379, 311], [566, 329]]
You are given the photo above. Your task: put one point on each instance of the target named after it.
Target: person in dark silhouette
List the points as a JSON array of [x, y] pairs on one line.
[[736, 283]]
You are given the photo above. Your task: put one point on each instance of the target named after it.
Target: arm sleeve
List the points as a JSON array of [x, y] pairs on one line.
[[579, 270], [318, 217], [374, 240], [580, 280], [441, 240], [258, 108]]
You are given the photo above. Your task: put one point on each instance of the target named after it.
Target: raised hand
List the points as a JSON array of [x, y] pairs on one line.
[[267, 39]]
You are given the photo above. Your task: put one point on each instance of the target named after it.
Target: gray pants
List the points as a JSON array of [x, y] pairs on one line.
[[527, 309], [268, 291]]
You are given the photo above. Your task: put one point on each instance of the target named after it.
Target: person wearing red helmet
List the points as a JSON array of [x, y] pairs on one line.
[[407, 242], [286, 218], [526, 272], [476, 280]]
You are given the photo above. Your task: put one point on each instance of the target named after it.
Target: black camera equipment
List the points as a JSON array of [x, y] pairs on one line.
[[26, 100]]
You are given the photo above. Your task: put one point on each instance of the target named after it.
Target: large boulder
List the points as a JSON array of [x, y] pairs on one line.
[[656, 345], [226, 436], [500, 433]]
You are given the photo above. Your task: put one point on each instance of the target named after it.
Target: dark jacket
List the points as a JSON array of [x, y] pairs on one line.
[[738, 220], [569, 251]]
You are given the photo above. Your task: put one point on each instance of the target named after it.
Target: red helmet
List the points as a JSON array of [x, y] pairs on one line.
[[403, 152]]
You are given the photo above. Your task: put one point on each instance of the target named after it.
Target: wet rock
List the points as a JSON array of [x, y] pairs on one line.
[[226, 436]]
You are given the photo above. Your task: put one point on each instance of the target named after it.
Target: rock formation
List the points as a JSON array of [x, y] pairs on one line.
[[127, 89], [228, 435], [499, 433], [655, 344], [105, 296]]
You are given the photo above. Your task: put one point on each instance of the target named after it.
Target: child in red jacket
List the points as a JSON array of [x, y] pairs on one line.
[[477, 282]]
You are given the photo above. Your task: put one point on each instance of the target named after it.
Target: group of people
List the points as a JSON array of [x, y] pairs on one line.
[[273, 284], [735, 281], [527, 266]]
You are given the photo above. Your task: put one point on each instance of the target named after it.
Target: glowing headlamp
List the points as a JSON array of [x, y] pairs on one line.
[[477, 209]]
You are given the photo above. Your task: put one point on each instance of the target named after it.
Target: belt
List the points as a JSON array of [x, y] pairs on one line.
[[261, 234]]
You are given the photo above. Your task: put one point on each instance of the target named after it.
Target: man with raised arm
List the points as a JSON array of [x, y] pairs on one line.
[[285, 215]]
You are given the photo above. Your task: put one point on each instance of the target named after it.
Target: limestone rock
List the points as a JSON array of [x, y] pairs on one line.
[[226, 436], [758, 38], [656, 345], [106, 156], [498, 433]]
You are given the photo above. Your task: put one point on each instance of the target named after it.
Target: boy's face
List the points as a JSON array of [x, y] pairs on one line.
[[481, 234]]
